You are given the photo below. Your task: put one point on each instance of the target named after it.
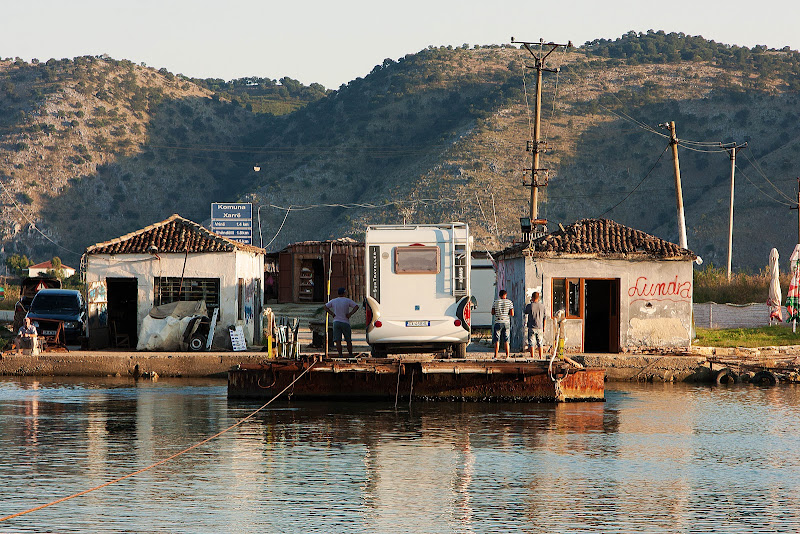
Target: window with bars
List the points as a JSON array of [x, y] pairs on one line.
[[171, 289]]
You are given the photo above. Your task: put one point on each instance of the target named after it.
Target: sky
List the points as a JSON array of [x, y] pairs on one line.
[[335, 42]]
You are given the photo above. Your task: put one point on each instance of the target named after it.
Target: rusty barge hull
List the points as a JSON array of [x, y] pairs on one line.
[[440, 380]]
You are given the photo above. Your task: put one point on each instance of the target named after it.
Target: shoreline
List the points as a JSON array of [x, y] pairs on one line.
[[699, 364]]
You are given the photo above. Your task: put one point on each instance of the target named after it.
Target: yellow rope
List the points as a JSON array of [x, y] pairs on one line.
[[184, 451]]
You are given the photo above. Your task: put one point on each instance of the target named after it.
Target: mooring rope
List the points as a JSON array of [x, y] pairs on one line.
[[184, 451]]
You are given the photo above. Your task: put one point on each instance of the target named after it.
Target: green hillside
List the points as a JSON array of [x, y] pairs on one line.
[[92, 148]]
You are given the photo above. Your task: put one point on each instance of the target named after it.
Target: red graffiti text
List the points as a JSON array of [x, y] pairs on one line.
[[644, 289]]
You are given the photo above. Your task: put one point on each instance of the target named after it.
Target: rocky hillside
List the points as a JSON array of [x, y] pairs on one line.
[[92, 148]]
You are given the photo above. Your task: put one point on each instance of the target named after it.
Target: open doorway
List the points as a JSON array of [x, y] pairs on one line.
[[318, 267], [122, 308], [601, 316]]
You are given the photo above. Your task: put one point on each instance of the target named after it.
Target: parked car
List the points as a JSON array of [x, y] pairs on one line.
[[66, 305], [27, 290]]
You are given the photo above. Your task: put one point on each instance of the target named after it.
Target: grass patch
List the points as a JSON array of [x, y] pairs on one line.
[[764, 336], [12, 296], [711, 285]]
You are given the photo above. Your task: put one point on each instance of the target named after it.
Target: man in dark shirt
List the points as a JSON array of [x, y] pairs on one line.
[[536, 317]]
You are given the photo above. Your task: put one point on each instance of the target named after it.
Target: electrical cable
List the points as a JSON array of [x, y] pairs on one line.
[[762, 191], [637, 185], [281, 227], [757, 167], [527, 103], [33, 225]]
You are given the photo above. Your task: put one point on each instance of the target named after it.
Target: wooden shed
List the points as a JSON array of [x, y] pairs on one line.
[[303, 270]]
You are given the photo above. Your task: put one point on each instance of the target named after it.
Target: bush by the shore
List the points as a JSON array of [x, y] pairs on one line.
[[711, 285]]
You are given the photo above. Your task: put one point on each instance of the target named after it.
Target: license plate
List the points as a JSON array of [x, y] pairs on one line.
[[418, 323], [48, 332]]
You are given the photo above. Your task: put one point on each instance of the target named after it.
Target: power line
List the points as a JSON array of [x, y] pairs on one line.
[[757, 167], [762, 191], [637, 185], [32, 224]]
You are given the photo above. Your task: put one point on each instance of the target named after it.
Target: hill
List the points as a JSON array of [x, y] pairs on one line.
[[91, 148]]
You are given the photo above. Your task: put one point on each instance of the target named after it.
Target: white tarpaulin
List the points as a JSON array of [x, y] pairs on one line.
[[164, 326], [775, 295]]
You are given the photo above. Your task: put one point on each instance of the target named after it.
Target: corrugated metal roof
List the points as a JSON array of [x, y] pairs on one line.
[[174, 234], [600, 237]]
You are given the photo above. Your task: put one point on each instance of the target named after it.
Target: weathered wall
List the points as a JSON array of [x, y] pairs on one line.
[[227, 266], [511, 275], [655, 297]]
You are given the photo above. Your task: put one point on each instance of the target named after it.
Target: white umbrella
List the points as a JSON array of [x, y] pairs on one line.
[[775, 296]]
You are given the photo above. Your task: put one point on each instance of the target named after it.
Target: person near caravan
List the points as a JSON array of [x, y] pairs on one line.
[[503, 310], [342, 308], [536, 313]]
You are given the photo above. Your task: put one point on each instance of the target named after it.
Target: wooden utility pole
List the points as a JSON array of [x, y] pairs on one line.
[[538, 176], [673, 141], [798, 210], [732, 152]]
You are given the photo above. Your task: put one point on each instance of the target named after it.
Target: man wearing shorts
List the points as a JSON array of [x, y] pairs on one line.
[[536, 318], [342, 308], [503, 310]]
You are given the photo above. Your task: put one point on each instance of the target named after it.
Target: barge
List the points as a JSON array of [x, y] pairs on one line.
[[386, 379]]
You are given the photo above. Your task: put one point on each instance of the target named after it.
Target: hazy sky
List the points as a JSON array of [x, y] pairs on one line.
[[336, 41]]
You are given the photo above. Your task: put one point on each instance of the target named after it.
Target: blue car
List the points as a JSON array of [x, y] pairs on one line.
[[52, 305]]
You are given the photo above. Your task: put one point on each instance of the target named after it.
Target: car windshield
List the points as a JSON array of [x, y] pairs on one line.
[[43, 303]]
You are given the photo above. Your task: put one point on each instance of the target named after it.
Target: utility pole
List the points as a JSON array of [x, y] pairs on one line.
[[732, 152], [673, 141], [798, 210], [535, 146]]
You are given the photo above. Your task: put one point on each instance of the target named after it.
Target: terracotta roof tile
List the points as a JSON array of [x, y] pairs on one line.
[[601, 237], [174, 234]]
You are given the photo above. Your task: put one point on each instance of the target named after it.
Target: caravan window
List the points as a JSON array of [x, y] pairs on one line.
[[416, 260]]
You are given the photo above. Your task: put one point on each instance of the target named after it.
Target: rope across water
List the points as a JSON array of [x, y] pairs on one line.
[[184, 451]]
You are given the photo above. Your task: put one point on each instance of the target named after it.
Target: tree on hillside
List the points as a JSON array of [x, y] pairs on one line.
[[17, 263], [58, 268]]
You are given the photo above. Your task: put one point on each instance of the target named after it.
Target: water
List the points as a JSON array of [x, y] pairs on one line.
[[652, 458]]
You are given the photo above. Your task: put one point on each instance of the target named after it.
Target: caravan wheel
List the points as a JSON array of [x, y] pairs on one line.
[[460, 350]]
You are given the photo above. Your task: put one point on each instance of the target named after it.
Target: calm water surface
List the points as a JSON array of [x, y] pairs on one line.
[[657, 458]]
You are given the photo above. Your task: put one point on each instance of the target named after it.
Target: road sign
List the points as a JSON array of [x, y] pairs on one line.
[[233, 220]]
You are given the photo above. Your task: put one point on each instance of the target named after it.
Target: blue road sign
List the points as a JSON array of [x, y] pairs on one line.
[[233, 220]]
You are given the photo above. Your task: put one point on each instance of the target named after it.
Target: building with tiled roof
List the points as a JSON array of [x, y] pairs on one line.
[[45, 267], [620, 288], [175, 259], [601, 238], [172, 235]]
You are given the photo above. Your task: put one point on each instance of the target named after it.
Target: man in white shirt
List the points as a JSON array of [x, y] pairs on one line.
[[342, 308]]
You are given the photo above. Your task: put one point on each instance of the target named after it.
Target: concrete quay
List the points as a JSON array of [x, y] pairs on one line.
[[699, 364]]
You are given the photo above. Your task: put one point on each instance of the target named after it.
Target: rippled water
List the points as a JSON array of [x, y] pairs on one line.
[[657, 458]]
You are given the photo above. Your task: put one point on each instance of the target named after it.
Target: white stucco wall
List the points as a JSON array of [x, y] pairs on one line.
[[229, 267], [655, 297]]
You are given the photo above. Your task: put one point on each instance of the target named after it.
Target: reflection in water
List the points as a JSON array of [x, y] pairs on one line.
[[653, 458]]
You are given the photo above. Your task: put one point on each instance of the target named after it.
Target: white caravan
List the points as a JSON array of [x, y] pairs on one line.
[[418, 287]]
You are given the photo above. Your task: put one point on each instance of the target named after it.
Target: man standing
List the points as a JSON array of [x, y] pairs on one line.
[[503, 310], [342, 308], [536, 318]]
